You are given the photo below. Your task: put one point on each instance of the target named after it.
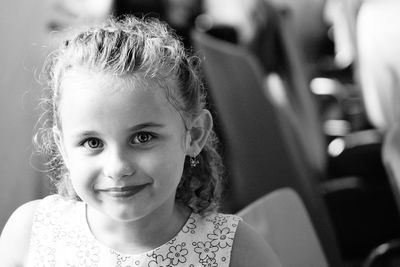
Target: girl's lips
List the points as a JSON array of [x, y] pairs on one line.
[[122, 192]]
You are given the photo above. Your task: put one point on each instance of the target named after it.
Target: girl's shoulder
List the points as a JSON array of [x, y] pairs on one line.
[[16, 234], [250, 249], [18, 229], [220, 218], [214, 222]]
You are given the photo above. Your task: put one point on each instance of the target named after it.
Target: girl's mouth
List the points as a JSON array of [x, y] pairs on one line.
[[122, 192]]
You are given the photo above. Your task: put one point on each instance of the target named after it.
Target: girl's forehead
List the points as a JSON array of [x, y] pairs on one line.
[[81, 87], [107, 83]]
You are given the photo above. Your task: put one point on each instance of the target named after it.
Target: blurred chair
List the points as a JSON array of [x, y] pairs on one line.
[[264, 151], [260, 146], [281, 217], [278, 52]]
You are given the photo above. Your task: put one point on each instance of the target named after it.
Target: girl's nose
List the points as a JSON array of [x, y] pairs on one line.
[[118, 165]]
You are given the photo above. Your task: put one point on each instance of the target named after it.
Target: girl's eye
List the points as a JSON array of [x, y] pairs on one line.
[[93, 143], [142, 138]]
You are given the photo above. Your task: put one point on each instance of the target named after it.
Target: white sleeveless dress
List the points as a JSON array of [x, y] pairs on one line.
[[61, 237]]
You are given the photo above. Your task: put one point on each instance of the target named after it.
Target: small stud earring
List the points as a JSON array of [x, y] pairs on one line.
[[194, 161]]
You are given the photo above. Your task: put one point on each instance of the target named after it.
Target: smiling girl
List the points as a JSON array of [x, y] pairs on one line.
[[132, 153]]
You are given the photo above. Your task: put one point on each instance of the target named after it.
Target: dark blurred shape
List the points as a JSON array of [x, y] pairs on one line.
[[139, 8], [224, 32], [179, 14], [267, 42]]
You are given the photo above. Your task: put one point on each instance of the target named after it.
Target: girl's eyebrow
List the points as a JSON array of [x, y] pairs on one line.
[[84, 134], [146, 125]]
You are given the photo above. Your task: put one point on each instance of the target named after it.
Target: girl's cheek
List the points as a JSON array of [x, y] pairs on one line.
[[79, 167], [164, 159]]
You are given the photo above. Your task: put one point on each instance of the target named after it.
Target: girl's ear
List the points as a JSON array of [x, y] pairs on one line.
[[58, 140], [199, 132]]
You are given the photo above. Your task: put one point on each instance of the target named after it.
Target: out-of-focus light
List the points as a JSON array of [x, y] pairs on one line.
[[336, 147], [336, 127], [67, 13], [323, 86], [276, 89], [204, 22]]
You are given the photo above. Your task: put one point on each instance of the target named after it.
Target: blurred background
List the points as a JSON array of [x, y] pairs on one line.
[[304, 93]]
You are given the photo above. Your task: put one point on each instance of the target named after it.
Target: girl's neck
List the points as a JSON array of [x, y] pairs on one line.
[[139, 236]]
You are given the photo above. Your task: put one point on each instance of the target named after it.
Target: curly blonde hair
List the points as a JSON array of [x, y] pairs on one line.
[[148, 48]]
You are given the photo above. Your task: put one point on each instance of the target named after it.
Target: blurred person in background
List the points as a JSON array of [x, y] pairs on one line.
[[378, 40]]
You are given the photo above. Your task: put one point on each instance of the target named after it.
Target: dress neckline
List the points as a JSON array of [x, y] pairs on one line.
[[88, 232]]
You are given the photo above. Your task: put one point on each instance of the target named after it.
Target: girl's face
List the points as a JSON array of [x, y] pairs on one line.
[[122, 142]]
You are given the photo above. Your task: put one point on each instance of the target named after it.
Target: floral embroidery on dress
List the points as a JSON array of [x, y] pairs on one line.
[[205, 250], [177, 254], [219, 220], [119, 258], [61, 237], [160, 261], [222, 237], [190, 226], [210, 262]]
